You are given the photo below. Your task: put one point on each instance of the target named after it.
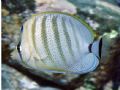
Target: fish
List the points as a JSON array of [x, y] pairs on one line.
[[59, 43]]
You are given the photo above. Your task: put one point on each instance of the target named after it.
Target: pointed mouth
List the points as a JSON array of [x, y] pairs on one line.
[[14, 55]]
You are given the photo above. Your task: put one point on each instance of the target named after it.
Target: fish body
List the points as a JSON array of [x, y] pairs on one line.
[[60, 43]]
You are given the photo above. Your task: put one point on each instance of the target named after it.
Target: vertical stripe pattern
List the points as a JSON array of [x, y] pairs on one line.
[[57, 38], [67, 38], [44, 40], [56, 42], [75, 36], [38, 40], [51, 28]]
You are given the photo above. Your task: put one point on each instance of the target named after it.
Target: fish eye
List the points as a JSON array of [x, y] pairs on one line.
[[19, 44], [18, 47], [19, 50]]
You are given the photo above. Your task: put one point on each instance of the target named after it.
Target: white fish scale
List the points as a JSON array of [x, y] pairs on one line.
[[34, 60], [35, 54], [52, 43], [81, 35], [30, 40], [38, 40], [24, 45], [93, 62], [39, 43], [93, 65], [73, 41], [26, 48], [85, 33], [80, 40], [79, 52], [76, 40], [63, 42]]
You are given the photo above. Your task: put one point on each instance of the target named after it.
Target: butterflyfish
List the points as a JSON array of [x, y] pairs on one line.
[[59, 42]]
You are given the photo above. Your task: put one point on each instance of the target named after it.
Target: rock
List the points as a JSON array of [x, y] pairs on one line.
[[18, 6], [5, 12], [14, 80], [99, 8], [55, 5], [92, 23], [108, 86]]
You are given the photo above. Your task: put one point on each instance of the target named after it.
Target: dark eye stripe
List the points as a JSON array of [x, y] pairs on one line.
[[100, 47], [18, 46]]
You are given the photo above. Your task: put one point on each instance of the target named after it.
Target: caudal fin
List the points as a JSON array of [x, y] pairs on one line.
[[96, 48]]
